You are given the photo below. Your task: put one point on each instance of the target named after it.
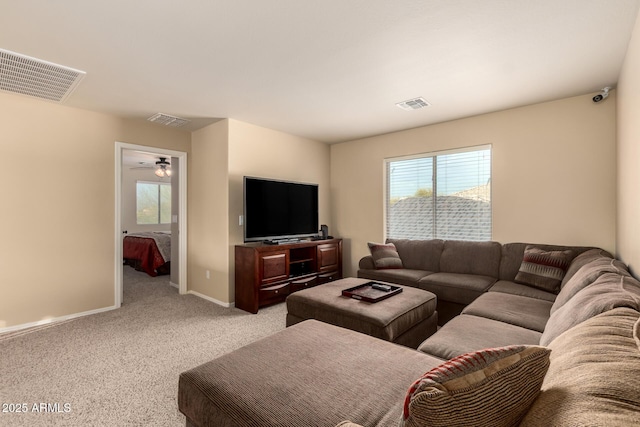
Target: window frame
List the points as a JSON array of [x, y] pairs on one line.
[[434, 154], [159, 200]]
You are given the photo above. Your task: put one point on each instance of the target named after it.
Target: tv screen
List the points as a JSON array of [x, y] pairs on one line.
[[278, 210]]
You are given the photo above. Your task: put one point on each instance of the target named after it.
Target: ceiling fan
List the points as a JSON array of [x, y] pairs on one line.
[[162, 167]]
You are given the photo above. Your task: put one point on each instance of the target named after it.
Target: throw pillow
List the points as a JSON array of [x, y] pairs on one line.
[[385, 256], [543, 269], [492, 387]]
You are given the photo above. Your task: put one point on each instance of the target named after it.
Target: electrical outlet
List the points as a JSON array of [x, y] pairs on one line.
[[240, 220], [208, 274]]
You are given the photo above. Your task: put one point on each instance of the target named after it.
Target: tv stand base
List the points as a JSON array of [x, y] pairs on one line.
[[267, 274]]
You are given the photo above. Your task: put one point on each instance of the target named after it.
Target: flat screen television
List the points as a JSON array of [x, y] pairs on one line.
[[279, 210]]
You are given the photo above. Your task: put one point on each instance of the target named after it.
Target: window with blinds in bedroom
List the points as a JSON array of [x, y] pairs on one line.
[[444, 195], [153, 203]]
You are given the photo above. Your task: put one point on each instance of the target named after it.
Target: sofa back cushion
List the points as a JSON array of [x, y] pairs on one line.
[[463, 257], [592, 379], [586, 275], [607, 292], [581, 260], [419, 254]]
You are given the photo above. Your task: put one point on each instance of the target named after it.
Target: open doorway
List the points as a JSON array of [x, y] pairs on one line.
[[150, 214]]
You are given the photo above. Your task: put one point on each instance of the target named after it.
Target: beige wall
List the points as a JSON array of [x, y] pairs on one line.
[[628, 232], [265, 153], [221, 155], [57, 256], [208, 213], [554, 174]]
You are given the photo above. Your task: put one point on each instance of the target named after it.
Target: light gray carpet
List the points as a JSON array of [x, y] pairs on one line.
[[121, 368]]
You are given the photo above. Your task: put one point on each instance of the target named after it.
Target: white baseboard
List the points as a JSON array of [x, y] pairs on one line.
[[175, 285], [55, 319], [96, 311], [213, 300]]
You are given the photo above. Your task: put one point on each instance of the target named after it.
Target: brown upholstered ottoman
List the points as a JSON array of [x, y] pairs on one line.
[[407, 318]]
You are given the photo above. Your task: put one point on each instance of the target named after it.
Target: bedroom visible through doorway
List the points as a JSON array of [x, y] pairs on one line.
[[151, 221]]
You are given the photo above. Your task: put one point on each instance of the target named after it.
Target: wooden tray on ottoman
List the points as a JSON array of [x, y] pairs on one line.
[[367, 292]]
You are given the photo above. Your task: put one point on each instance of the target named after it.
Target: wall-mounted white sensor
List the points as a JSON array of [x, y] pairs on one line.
[[602, 95]]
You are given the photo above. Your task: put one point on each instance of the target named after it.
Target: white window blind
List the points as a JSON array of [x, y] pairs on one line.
[[440, 196]]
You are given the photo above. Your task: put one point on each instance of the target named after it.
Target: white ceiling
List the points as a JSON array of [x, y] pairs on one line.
[[142, 159], [329, 70]]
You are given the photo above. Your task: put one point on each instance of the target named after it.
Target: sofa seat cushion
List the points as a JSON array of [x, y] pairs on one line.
[[466, 333], [404, 276], [456, 287], [311, 374], [609, 291], [509, 287], [586, 275], [593, 376], [530, 313]]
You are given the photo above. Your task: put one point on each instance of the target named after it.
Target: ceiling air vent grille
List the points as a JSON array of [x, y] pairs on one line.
[[413, 104], [33, 77], [167, 120]]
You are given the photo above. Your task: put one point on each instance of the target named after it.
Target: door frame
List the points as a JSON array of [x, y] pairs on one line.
[[182, 214]]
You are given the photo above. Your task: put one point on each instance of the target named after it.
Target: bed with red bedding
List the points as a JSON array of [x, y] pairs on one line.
[[149, 252]]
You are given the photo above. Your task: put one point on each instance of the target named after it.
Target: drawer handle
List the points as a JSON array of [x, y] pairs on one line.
[[277, 291]]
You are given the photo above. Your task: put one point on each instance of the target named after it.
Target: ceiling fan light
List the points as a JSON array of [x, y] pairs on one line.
[[160, 173], [168, 172]]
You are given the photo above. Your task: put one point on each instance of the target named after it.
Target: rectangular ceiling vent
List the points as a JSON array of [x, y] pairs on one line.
[[37, 78], [167, 120], [413, 104]]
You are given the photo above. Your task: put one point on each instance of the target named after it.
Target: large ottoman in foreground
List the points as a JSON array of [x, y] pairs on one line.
[[407, 318], [309, 375]]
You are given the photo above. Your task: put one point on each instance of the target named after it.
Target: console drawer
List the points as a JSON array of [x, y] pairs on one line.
[[307, 282], [328, 277], [275, 292]]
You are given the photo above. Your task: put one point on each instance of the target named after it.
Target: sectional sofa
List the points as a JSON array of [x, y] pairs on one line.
[[458, 272], [551, 337]]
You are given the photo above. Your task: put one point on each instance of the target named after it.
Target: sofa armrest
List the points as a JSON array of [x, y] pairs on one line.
[[367, 263], [348, 424]]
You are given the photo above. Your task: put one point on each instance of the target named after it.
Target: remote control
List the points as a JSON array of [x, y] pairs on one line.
[[381, 287]]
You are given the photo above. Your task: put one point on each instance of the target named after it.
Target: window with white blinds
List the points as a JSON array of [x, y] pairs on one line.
[[153, 203], [443, 195]]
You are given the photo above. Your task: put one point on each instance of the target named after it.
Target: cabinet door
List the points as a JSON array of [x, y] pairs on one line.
[[274, 266], [328, 258]]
